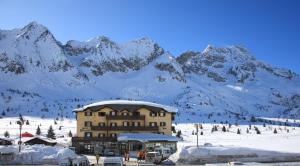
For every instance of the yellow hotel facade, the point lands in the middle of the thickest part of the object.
(101, 124)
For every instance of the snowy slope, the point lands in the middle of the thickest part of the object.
(39, 76)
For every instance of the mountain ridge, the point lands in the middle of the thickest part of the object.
(58, 76)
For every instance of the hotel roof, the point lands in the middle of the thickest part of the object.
(129, 105)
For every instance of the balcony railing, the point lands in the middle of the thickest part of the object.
(88, 139)
(125, 128)
(125, 117)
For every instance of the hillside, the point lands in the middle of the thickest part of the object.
(40, 76)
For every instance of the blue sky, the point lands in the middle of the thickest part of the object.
(270, 29)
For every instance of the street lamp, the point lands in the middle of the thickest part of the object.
(197, 129)
(20, 123)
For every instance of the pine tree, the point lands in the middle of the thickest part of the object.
(51, 133)
(201, 133)
(253, 119)
(238, 131)
(55, 122)
(178, 134)
(70, 134)
(193, 132)
(200, 126)
(3, 113)
(6, 134)
(224, 129)
(216, 129)
(38, 131)
(27, 122)
(257, 131)
(21, 118)
(275, 131)
(247, 131)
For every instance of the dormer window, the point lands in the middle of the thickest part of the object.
(113, 113)
(162, 114)
(152, 113)
(88, 113)
(125, 113)
(101, 113)
(136, 113)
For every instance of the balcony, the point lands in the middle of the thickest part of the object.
(125, 117)
(89, 139)
(124, 128)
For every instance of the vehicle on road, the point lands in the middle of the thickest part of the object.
(153, 157)
(113, 161)
(78, 161)
(109, 152)
(145, 164)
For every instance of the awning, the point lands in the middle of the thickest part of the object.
(147, 137)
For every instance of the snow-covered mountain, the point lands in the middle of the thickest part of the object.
(40, 76)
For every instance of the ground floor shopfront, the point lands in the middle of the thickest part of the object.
(123, 143)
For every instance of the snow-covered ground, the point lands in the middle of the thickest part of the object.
(283, 141)
(286, 141)
(66, 125)
(251, 147)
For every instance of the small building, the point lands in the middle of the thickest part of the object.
(26, 134)
(39, 141)
(6, 141)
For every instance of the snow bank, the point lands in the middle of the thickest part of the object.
(213, 154)
(36, 154)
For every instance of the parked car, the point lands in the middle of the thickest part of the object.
(79, 161)
(109, 152)
(113, 161)
(145, 164)
(153, 157)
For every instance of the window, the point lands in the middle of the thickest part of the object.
(152, 113)
(113, 135)
(113, 124)
(125, 114)
(152, 124)
(113, 113)
(88, 114)
(136, 124)
(101, 114)
(162, 114)
(101, 124)
(162, 123)
(87, 124)
(87, 147)
(88, 134)
(101, 135)
(125, 123)
(136, 113)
